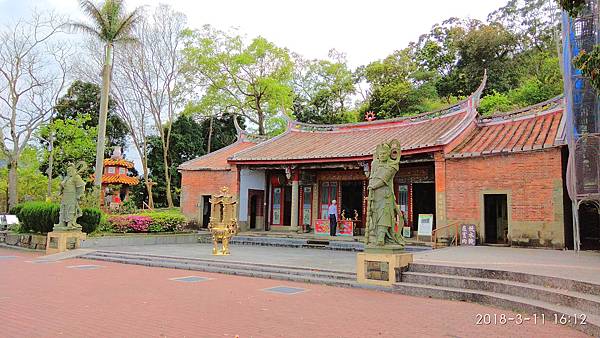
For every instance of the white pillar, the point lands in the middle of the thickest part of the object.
(295, 195)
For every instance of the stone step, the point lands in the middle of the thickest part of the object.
(521, 277)
(238, 272)
(231, 265)
(312, 243)
(585, 303)
(525, 306)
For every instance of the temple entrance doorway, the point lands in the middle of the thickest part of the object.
(423, 201)
(496, 218)
(205, 210)
(255, 209)
(287, 205)
(589, 226)
(352, 203)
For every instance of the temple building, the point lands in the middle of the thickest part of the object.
(503, 173)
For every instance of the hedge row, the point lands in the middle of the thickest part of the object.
(156, 221)
(40, 217)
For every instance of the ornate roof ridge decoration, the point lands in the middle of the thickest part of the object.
(118, 162)
(472, 101)
(541, 108)
(244, 136)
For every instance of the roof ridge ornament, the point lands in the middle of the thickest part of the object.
(370, 116)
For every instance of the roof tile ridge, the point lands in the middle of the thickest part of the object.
(554, 100)
(213, 152)
(447, 109)
(521, 116)
(260, 144)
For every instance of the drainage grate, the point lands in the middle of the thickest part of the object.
(286, 290)
(7, 257)
(190, 279)
(85, 267)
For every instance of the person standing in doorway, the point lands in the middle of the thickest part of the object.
(332, 218)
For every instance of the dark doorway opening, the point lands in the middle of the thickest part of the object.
(589, 226)
(352, 202)
(253, 205)
(423, 201)
(287, 206)
(496, 218)
(205, 210)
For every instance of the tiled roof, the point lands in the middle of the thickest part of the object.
(536, 127)
(302, 142)
(216, 160)
(120, 179)
(118, 162)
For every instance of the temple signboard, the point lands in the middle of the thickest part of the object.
(468, 234)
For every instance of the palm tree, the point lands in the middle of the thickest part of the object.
(111, 25)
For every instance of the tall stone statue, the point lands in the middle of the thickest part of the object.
(72, 188)
(382, 211)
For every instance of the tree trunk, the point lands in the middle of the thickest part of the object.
(100, 142)
(50, 164)
(147, 181)
(210, 130)
(149, 190)
(261, 121)
(167, 179)
(13, 195)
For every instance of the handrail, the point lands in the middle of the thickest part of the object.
(455, 240)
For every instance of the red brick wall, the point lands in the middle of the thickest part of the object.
(194, 184)
(533, 181)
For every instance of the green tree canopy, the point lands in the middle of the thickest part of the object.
(323, 90)
(189, 139)
(251, 80)
(32, 183)
(398, 86)
(74, 141)
(83, 98)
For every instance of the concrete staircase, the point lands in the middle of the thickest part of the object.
(311, 242)
(297, 274)
(520, 292)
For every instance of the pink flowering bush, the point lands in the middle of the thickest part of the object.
(130, 223)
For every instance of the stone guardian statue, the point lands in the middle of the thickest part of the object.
(382, 210)
(72, 188)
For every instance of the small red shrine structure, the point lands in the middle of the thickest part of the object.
(116, 180)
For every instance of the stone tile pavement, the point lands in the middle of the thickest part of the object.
(117, 300)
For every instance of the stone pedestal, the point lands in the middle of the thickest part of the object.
(379, 268)
(60, 241)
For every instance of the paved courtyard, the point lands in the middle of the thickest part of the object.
(84, 298)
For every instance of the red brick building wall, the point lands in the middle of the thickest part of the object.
(195, 183)
(532, 182)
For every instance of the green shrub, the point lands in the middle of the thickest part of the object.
(40, 217)
(16, 209)
(90, 219)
